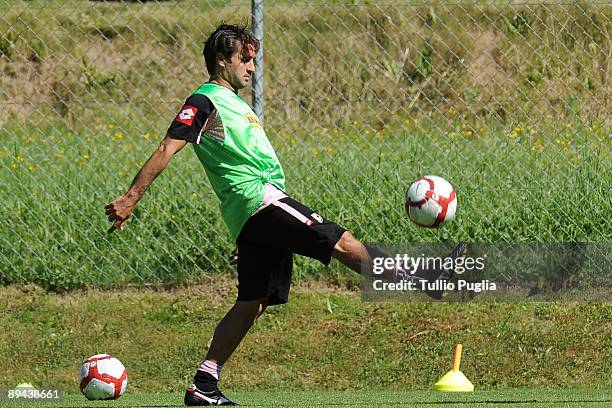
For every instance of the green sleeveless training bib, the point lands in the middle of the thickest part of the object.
(237, 156)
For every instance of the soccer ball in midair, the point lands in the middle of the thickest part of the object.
(431, 201)
(103, 377)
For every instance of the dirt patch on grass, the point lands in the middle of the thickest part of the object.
(218, 287)
(484, 71)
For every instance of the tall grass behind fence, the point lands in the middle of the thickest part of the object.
(508, 101)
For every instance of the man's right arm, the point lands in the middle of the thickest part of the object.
(186, 128)
(120, 210)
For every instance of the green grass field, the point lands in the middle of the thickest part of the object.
(539, 398)
(323, 339)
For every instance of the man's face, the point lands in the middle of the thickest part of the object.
(239, 69)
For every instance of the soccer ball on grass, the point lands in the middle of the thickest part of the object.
(103, 377)
(431, 201)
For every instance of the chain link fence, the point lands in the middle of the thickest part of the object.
(509, 101)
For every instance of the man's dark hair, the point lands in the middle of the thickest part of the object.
(226, 39)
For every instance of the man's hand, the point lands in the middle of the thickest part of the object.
(119, 211)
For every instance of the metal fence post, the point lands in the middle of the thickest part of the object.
(257, 14)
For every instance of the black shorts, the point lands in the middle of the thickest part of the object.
(269, 239)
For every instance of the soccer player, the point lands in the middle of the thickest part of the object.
(245, 173)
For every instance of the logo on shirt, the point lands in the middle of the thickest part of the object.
(252, 119)
(187, 114)
(317, 217)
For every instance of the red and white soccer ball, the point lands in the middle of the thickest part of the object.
(103, 377)
(431, 201)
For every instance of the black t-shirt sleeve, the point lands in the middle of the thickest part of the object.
(191, 118)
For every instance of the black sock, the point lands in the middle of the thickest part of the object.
(205, 381)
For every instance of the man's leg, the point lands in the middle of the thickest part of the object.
(351, 252)
(233, 327)
(357, 256)
(227, 336)
(292, 224)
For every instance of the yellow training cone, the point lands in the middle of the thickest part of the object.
(454, 380)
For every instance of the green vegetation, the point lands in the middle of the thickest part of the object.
(325, 63)
(507, 101)
(56, 235)
(502, 100)
(322, 339)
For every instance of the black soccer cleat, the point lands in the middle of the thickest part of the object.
(196, 398)
(441, 276)
(457, 253)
